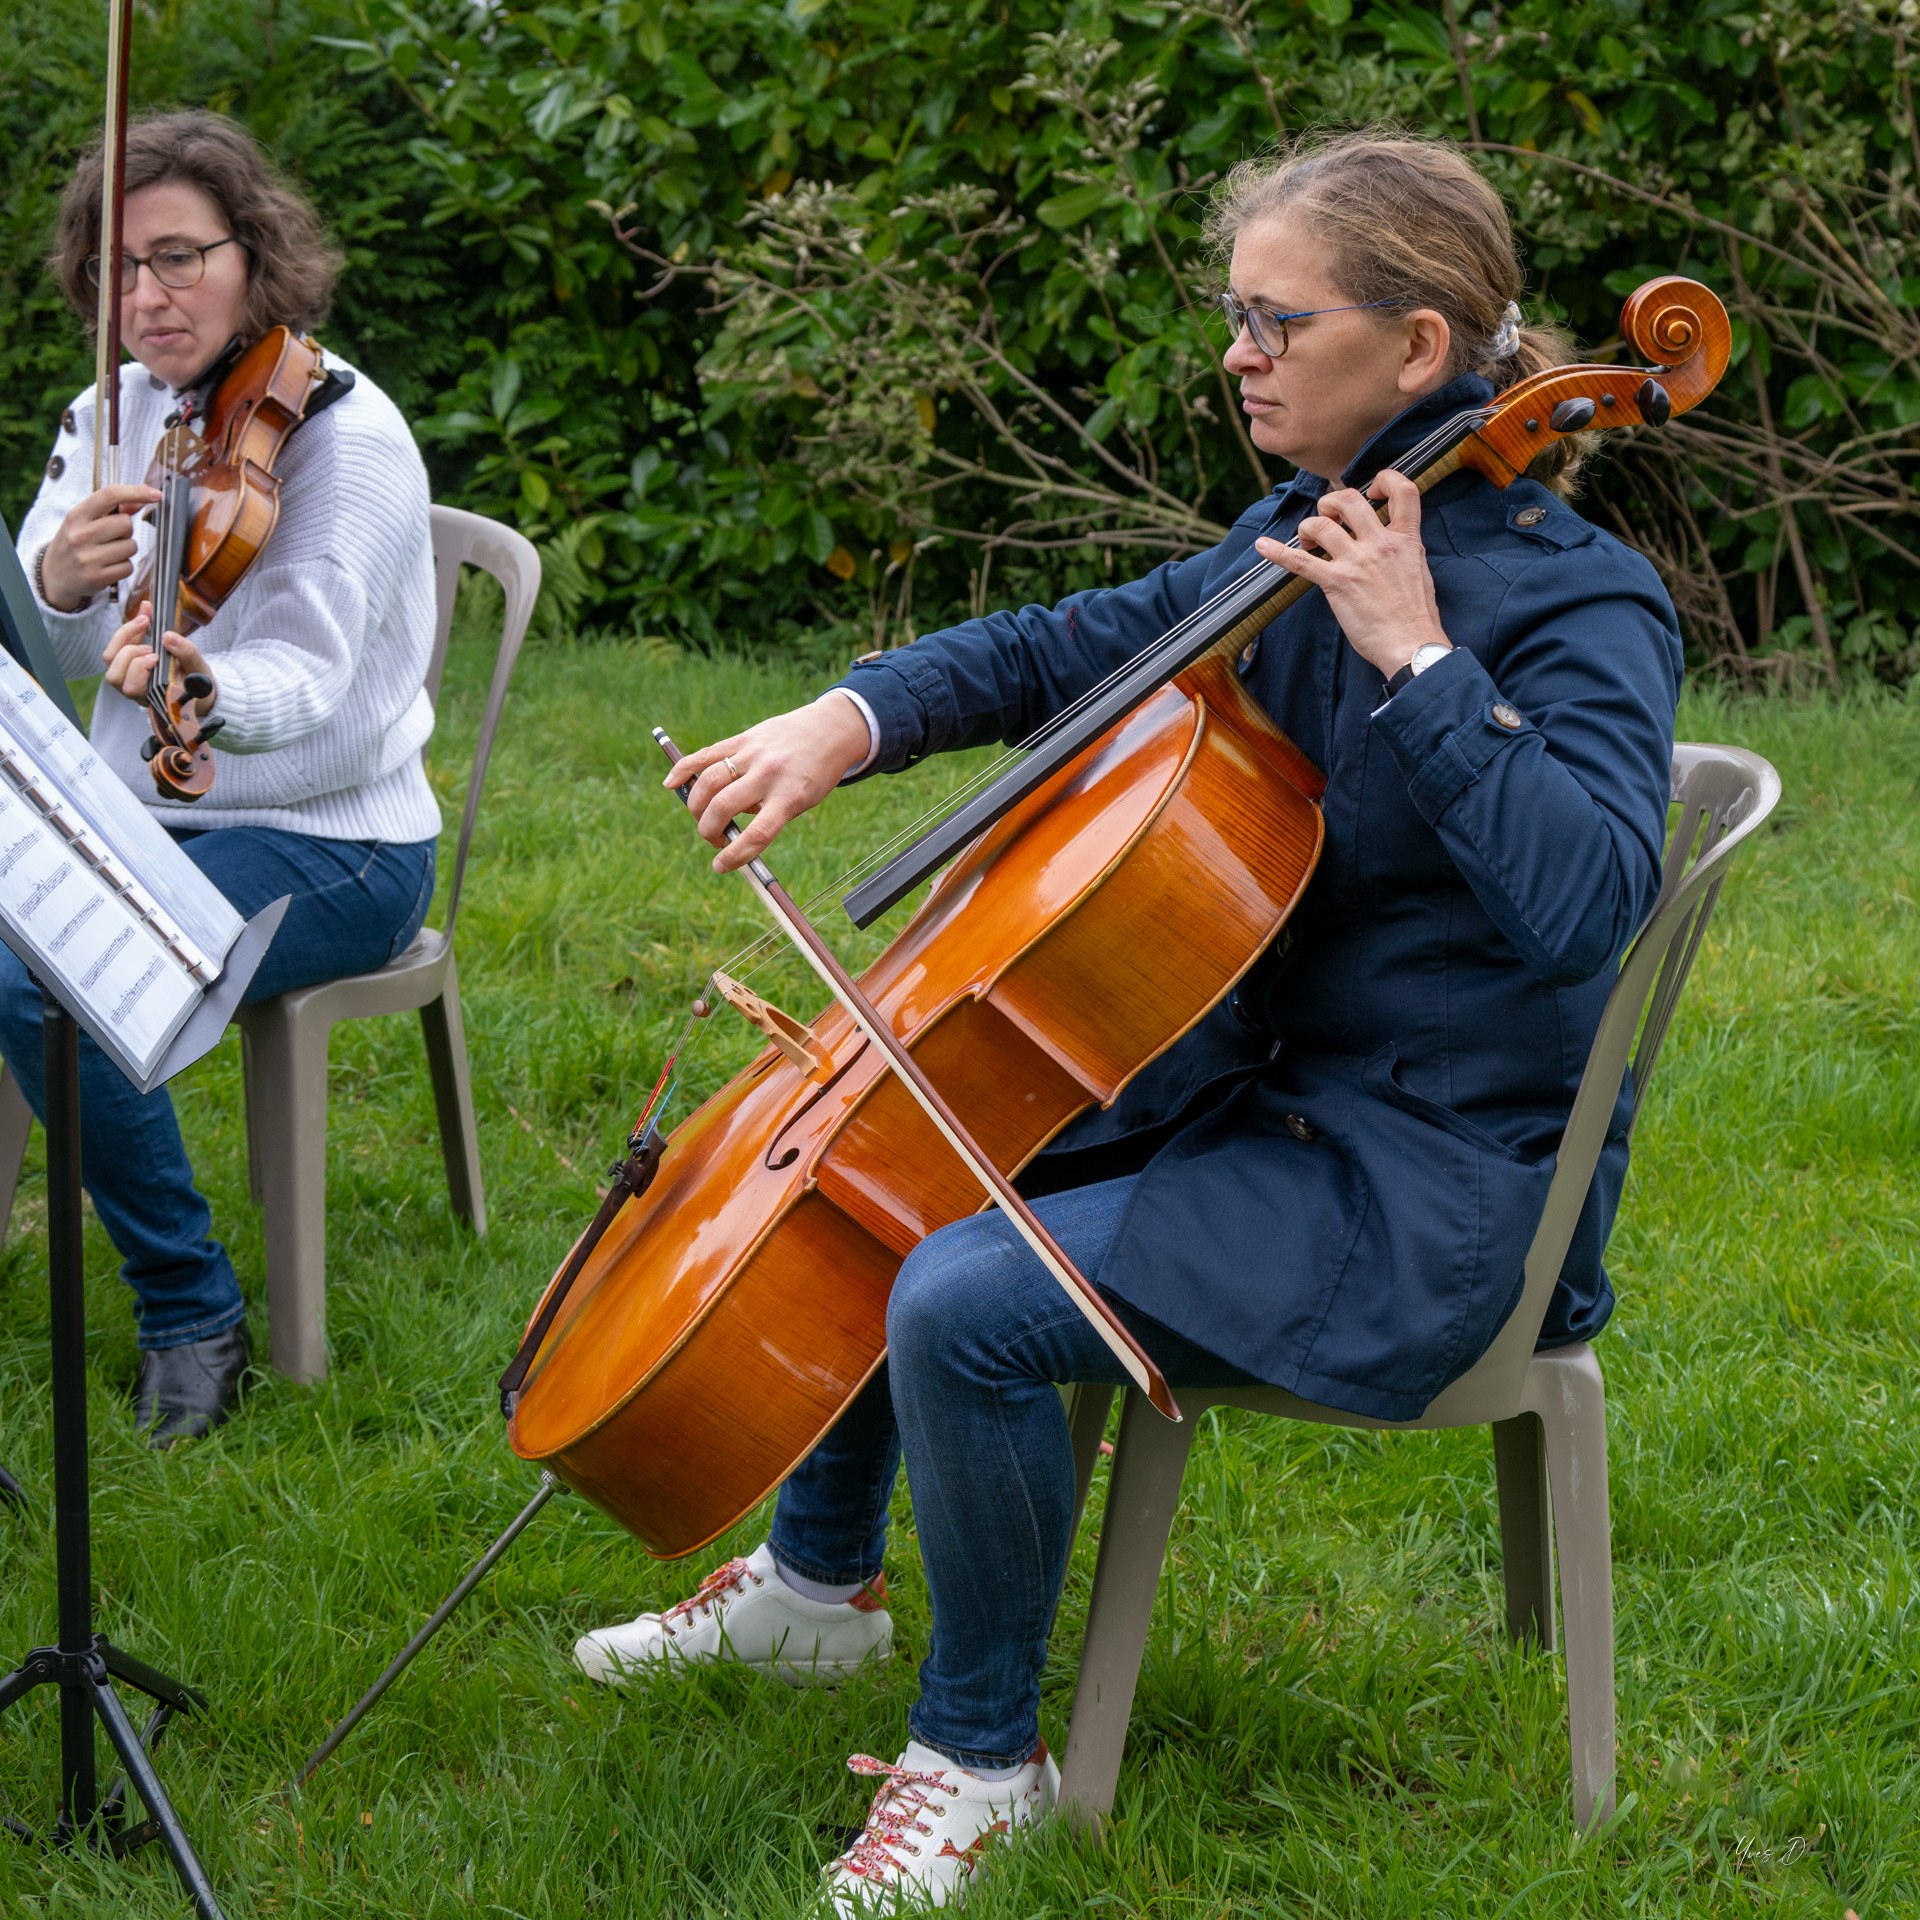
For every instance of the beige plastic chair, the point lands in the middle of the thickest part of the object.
(1547, 1410)
(284, 1040)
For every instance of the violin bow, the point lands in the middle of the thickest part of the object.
(113, 201)
(786, 915)
(1676, 323)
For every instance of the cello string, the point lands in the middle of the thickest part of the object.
(1237, 597)
(1248, 586)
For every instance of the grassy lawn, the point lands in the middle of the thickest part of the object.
(1330, 1722)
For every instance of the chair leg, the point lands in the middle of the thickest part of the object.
(1148, 1461)
(287, 1096)
(248, 1082)
(1526, 1533)
(1087, 1408)
(16, 1118)
(1572, 1403)
(446, 1040)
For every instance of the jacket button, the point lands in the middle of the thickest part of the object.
(56, 467)
(1529, 516)
(67, 420)
(1505, 716)
(1302, 1129)
(1246, 655)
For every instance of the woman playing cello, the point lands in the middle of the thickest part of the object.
(316, 664)
(1329, 1185)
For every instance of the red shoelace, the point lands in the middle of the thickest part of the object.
(732, 1578)
(895, 1813)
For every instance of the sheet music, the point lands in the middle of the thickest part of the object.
(88, 934)
(96, 896)
(180, 889)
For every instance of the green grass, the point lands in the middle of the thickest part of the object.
(1330, 1722)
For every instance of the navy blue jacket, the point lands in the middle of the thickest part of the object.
(1346, 1161)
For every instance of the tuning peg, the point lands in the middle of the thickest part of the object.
(149, 747)
(197, 686)
(208, 728)
(1571, 415)
(1655, 403)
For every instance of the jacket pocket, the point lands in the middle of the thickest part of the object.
(1381, 1078)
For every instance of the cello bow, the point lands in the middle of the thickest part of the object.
(787, 915)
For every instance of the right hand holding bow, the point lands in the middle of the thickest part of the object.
(774, 771)
(93, 547)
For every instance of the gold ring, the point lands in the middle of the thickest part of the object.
(731, 768)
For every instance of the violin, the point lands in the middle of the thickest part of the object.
(728, 1299)
(219, 504)
(213, 468)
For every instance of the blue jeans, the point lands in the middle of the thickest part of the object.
(979, 1338)
(355, 904)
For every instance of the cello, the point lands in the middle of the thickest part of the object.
(729, 1297)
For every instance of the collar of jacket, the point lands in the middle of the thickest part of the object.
(1404, 431)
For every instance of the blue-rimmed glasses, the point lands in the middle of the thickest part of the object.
(1267, 326)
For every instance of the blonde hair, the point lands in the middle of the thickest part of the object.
(1410, 223)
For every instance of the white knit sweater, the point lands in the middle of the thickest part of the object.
(321, 652)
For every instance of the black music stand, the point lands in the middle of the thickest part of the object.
(84, 1664)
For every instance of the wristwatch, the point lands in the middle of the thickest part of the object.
(1423, 658)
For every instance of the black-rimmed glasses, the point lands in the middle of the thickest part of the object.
(1267, 326)
(178, 266)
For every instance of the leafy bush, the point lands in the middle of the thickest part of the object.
(850, 314)
(402, 310)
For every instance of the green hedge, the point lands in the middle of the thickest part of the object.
(768, 318)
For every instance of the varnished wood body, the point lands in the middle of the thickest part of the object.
(236, 493)
(734, 1309)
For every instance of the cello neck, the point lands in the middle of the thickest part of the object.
(1244, 607)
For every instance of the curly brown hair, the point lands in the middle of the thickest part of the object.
(291, 264)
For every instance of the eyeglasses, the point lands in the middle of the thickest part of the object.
(177, 266)
(1267, 325)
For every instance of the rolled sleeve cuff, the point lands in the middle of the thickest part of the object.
(873, 734)
(909, 708)
(1443, 728)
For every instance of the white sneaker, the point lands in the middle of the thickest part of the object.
(928, 1828)
(745, 1612)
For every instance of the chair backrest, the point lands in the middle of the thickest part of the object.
(467, 539)
(1723, 794)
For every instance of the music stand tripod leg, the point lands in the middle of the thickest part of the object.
(153, 1796)
(82, 1666)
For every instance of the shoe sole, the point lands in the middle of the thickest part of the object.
(609, 1671)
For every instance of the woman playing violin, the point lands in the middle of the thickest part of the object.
(1329, 1185)
(316, 664)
